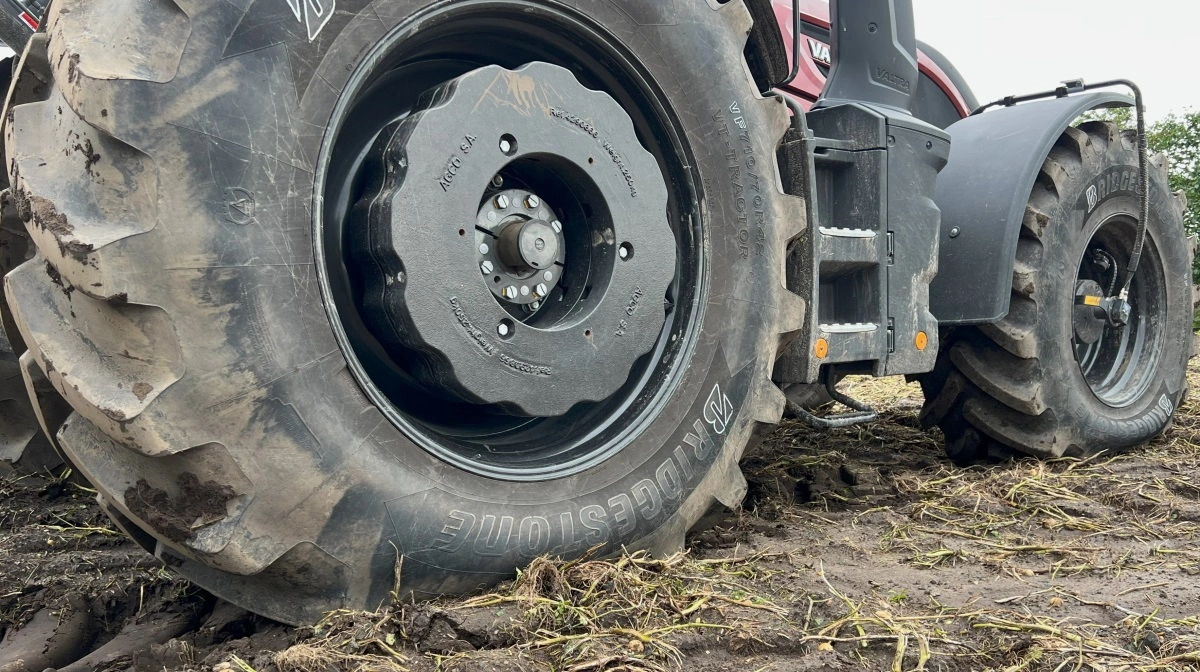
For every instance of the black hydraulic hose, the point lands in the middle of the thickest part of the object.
(861, 412)
(1135, 255)
(795, 44)
(1116, 271)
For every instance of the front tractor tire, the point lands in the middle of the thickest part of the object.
(391, 302)
(1053, 377)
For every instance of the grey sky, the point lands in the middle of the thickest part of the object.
(1016, 46)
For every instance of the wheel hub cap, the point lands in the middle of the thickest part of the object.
(521, 246)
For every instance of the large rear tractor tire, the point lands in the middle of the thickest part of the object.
(1054, 377)
(389, 300)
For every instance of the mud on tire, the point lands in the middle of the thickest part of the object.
(1027, 384)
(172, 183)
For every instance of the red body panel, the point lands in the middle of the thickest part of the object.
(808, 84)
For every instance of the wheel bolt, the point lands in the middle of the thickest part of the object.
(541, 289)
(509, 292)
(557, 226)
(502, 201)
(532, 201)
(497, 181)
(486, 267)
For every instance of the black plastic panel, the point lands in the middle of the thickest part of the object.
(982, 193)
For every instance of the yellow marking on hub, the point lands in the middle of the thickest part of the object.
(1091, 300)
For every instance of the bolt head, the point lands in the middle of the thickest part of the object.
(400, 277)
(541, 289)
(524, 290)
(557, 226)
(483, 248)
(502, 329)
(509, 292)
(622, 252)
(547, 276)
(486, 267)
(502, 201)
(535, 305)
(497, 181)
(532, 201)
(954, 232)
(505, 146)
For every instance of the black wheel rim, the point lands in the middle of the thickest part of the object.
(434, 47)
(1120, 365)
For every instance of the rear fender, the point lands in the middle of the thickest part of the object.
(982, 192)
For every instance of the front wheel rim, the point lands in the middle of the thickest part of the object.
(1121, 363)
(497, 444)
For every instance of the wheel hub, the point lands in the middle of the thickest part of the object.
(542, 303)
(521, 248)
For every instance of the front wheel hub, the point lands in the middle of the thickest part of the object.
(498, 246)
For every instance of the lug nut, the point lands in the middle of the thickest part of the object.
(486, 267)
(505, 146)
(502, 201)
(535, 305)
(557, 226)
(497, 181)
(541, 289)
(509, 292)
(502, 329)
(532, 202)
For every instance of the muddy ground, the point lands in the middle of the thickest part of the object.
(857, 549)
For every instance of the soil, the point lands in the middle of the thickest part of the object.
(860, 548)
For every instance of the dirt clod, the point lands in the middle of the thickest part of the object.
(197, 504)
(141, 390)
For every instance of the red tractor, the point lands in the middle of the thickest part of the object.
(337, 299)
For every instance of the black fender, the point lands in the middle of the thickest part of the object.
(982, 192)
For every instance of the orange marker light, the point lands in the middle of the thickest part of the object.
(821, 348)
(921, 341)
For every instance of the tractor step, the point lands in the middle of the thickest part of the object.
(866, 263)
